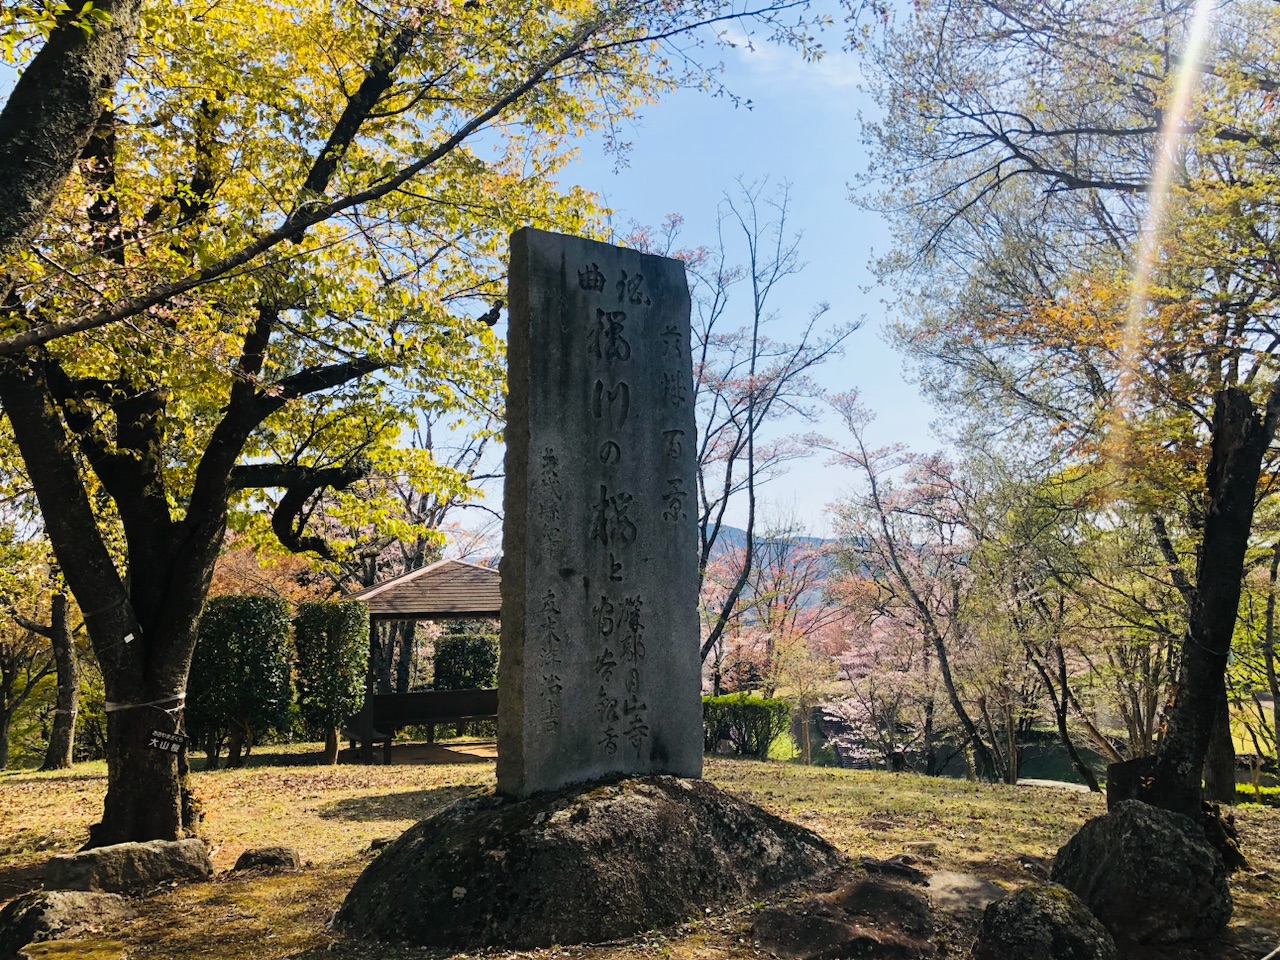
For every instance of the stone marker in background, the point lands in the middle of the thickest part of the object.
(599, 669)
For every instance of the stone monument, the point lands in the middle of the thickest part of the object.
(598, 667)
(598, 672)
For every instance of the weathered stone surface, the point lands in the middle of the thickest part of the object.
(582, 865)
(269, 858)
(872, 919)
(599, 667)
(1147, 874)
(1042, 922)
(46, 914)
(962, 895)
(129, 867)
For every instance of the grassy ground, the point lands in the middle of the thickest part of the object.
(332, 814)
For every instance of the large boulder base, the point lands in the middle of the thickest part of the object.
(583, 865)
(48, 914)
(129, 867)
(1147, 874)
(1042, 922)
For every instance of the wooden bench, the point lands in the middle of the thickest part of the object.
(391, 711)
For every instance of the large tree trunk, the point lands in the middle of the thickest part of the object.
(144, 790)
(1240, 440)
(1220, 763)
(59, 754)
(144, 631)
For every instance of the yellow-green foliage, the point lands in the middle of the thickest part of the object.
(220, 118)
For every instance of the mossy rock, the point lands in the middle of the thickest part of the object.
(1149, 875)
(48, 914)
(1042, 922)
(578, 866)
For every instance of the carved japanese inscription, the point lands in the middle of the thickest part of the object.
(599, 667)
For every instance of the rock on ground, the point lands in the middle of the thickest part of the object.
(269, 858)
(1042, 922)
(962, 895)
(46, 914)
(583, 865)
(871, 919)
(1148, 874)
(129, 867)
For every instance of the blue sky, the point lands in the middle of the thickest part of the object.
(803, 128)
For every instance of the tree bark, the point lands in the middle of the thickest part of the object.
(60, 752)
(143, 633)
(806, 744)
(330, 757)
(1240, 440)
(212, 747)
(1269, 648)
(1220, 762)
(6, 717)
(52, 112)
(144, 791)
(984, 760)
(235, 748)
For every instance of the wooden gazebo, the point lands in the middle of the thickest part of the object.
(445, 590)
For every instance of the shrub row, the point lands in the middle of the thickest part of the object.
(242, 675)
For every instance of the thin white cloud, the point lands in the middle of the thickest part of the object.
(784, 67)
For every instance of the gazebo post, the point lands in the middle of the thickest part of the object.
(370, 687)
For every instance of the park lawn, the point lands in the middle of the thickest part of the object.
(331, 814)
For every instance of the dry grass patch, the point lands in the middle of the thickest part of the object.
(331, 814)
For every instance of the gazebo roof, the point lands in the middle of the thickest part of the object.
(445, 590)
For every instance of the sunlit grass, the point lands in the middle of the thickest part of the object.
(331, 814)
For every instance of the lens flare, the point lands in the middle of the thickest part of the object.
(1165, 165)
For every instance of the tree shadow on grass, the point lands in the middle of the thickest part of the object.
(406, 805)
(261, 757)
(447, 752)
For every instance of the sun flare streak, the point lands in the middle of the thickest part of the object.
(1165, 166)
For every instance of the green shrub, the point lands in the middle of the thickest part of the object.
(240, 684)
(749, 723)
(333, 655)
(466, 657)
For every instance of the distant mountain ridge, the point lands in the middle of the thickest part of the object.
(736, 539)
